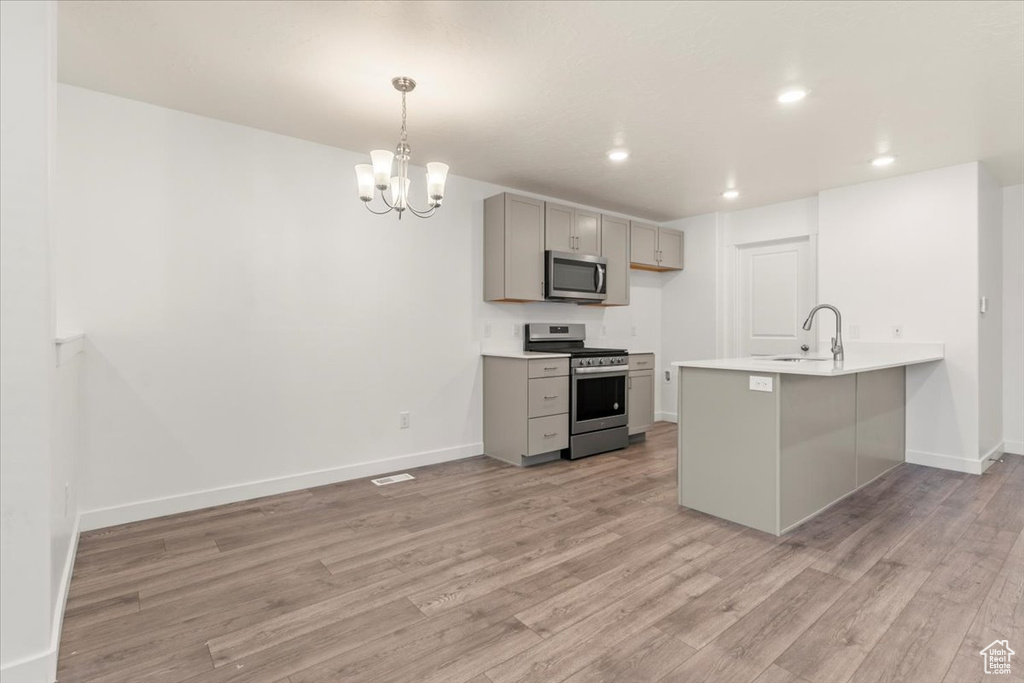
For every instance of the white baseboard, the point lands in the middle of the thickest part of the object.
(35, 669)
(1014, 447)
(42, 667)
(665, 417)
(952, 462)
(159, 507)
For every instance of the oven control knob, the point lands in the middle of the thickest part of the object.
(601, 362)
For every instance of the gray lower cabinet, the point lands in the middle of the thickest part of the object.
(526, 409)
(615, 248)
(640, 398)
(513, 248)
(654, 248)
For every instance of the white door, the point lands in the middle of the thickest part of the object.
(775, 290)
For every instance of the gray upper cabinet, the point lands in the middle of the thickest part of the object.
(654, 248)
(670, 249)
(615, 248)
(513, 248)
(643, 244)
(570, 229)
(558, 232)
(587, 226)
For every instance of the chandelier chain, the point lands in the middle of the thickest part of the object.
(405, 136)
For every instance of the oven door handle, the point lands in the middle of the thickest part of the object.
(601, 371)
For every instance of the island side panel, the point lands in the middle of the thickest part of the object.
(505, 408)
(818, 442)
(728, 447)
(881, 422)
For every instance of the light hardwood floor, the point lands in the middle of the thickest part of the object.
(573, 571)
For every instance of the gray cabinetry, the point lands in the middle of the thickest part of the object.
(615, 248)
(654, 248)
(643, 244)
(670, 249)
(641, 393)
(526, 408)
(570, 229)
(513, 248)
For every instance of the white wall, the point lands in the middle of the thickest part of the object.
(65, 476)
(252, 328)
(26, 341)
(1013, 318)
(904, 251)
(786, 220)
(689, 303)
(990, 323)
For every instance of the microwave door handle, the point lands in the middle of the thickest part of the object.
(600, 278)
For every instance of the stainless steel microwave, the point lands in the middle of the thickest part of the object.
(575, 277)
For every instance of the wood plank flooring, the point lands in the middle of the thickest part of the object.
(582, 571)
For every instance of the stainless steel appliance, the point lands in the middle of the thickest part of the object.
(599, 413)
(575, 277)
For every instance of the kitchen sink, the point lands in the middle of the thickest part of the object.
(797, 359)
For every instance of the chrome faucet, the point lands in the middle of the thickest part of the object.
(837, 341)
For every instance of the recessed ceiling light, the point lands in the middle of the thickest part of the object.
(731, 194)
(618, 155)
(792, 95)
(883, 160)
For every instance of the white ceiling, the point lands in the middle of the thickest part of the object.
(533, 94)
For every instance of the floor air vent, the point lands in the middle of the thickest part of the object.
(392, 479)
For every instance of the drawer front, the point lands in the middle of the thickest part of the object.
(549, 367)
(644, 361)
(549, 396)
(548, 434)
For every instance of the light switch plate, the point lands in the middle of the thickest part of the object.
(759, 383)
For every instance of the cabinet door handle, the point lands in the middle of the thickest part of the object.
(550, 368)
(641, 362)
(548, 436)
(550, 398)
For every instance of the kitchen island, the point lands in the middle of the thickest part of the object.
(771, 442)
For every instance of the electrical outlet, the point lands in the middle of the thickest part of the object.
(854, 331)
(758, 383)
(604, 331)
(634, 330)
(897, 331)
(403, 420)
(487, 330)
(515, 331)
(668, 376)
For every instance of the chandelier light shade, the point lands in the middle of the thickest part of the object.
(394, 189)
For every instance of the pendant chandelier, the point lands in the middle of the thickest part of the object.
(394, 190)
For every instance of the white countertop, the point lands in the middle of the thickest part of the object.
(526, 355)
(860, 357)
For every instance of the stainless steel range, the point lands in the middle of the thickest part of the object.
(599, 416)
